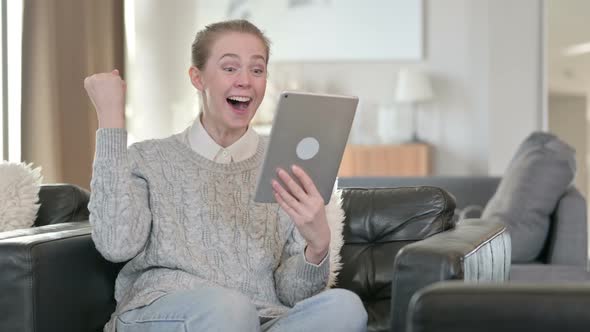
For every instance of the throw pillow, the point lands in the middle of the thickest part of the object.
(19, 195)
(537, 176)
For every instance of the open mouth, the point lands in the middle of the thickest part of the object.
(239, 103)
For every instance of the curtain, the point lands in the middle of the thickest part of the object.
(63, 42)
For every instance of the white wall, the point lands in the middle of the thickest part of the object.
(160, 98)
(483, 55)
(515, 77)
(567, 119)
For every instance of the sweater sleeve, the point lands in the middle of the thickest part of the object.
(295, 278)
(119, 210)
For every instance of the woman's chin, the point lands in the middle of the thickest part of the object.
(238, 122)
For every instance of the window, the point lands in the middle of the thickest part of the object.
(10, 83)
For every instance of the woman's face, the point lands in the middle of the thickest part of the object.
(233, 81)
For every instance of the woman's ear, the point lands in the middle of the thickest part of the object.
(196, 77)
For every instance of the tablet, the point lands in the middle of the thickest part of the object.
(309, 130)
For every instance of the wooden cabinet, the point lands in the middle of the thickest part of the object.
(412, 159)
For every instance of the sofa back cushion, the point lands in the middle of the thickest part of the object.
(378, 223)
(538, 175)
(62, 203)
(468, 191)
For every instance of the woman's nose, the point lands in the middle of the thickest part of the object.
(243, 79)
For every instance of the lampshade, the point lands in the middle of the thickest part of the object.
(412, 86)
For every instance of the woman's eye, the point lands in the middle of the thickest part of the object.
(229, 69)
(258, 71)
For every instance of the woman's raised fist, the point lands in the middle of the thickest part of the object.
(107, 92)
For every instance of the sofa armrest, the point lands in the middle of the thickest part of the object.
(568, 240)
(41, 230)
(474, 250)
(513, 307)
(55, 281)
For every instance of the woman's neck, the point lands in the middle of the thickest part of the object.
(222, 136)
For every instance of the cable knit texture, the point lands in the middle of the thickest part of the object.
(181, 220)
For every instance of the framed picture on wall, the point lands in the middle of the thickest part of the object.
(329, 30)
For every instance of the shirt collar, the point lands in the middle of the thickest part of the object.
(202, 143)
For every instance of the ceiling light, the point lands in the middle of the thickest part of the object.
(577, 49)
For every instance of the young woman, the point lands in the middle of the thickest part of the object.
(201, 255)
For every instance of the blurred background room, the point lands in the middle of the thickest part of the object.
(446, 87)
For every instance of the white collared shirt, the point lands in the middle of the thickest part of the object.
(202, 143)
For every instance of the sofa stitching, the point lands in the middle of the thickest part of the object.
(29, 259)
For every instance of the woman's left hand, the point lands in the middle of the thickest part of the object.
(306, 208)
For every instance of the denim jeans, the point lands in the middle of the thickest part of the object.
(220, 309)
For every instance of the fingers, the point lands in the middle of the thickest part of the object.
(107, 93)
(90, 80)
(286, 196)
(283, 204)
(293, 186)
(305, 180)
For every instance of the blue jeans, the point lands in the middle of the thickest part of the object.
(219, 309)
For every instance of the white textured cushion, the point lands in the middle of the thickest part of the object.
(19, 195)
(335, 217)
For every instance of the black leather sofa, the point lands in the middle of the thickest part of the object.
(397, 241)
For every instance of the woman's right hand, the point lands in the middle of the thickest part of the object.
(107, 92)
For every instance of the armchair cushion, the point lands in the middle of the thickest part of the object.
(548, 273)
(538, 175)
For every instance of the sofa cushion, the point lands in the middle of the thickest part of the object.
(537, 176)
(548, 273)
(62, 203)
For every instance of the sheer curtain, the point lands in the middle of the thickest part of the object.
(63, 42)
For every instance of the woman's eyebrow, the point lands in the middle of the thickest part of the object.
(231, 55)
(257, 56)
(235, 56)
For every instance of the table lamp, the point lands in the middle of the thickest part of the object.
(413, 87)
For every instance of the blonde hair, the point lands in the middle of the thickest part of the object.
(201, 47)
